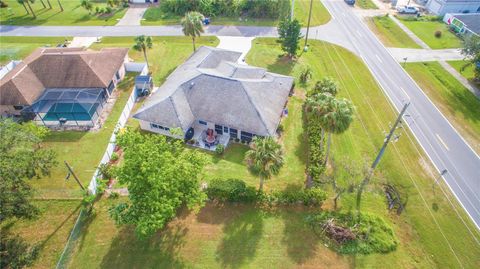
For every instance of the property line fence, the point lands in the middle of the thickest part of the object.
(92, 186)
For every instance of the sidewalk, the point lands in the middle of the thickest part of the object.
(472, 88)
(425, 55)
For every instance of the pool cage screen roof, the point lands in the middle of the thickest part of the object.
(58, 100)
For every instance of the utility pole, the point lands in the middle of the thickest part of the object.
(291, 10)
(70, 172)
(380, 154)
(305, 48)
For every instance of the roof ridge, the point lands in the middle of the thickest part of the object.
(88, 64)
(255, 106)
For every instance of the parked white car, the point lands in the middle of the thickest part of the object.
(407, 9)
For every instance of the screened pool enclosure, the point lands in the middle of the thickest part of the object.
(68, 107)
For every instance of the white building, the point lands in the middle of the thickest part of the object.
(440, 7)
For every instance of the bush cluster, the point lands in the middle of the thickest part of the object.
(373, 234)
(256, 9)
(236, 190)
(316, 152)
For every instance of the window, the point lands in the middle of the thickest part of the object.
(156, 126)
(219, 129)
(225, 129)
(202, 122)
(233, 133)
(117, 75)
(111, 86)
(245, 136)
(18, 107)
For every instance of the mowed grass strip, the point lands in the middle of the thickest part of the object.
(468, 72)
(18, 47)
(455, 101)
(366, 4)
(243, 236)
(73, 14)
(425, 30)
(320, 15)
(390, 33)
(49, 231)
(429, 215)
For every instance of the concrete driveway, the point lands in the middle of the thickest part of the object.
(134, 15)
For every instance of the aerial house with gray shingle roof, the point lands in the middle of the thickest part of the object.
(213, 100)
(62, 86)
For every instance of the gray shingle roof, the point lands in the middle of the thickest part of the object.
(211, 86)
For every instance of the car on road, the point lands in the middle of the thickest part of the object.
(407, 10)
(350, 2)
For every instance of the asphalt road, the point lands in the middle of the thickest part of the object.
(445, 147)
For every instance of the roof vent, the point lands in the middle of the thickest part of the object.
(192, 84)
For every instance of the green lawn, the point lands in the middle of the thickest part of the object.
(455, 101)
(50, 230)
(320, 15)
(366, 4)
(73, 14)
(82, 150)
(236, 236)
(425, 30)
(18, 47)
(390, 33)
(468, 72)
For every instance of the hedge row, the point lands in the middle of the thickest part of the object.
(231, 8)
(316, 150)
(235, 190)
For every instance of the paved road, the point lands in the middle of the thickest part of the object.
(439, 139)
(445, 147)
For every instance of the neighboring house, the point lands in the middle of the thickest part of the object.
(210, 95)
(464, 23)
(62, 86)
(440, 7)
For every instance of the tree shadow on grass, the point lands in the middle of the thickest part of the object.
(282, 65)
(240, 240)
(301, 242)
(160, 251)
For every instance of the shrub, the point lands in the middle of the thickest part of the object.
(314, 196)
(101, 186)
(280, 129)
(108, 10)
(305, 74)
(220, 149)
(105, 171)
(97, 9)
(101, 10)
(316, 152)
(371, 233)
(114, 157)
(230, 190)
(114, 195)
(438, 34)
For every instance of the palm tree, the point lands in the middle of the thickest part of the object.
(22, 2)
(192, 25)
(143, 43)
(60, 4)
(265, 158)
(336, 119)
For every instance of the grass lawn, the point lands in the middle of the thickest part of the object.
(241, 236)
(468, 72)
(425, 30)
(50, 230)
(18, 47)
(365, 4)
(320, 15)
(390, 33)
(73, 14)
(455, 101)
(82, 150)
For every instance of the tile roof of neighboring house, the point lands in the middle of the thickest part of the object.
(59, 68)
(211, 86)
